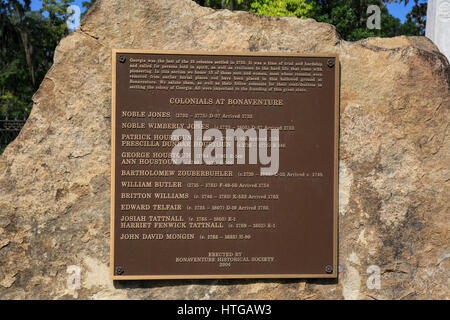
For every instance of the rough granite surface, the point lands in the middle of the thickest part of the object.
(394, 159)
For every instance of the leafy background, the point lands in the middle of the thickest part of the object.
(30, 31)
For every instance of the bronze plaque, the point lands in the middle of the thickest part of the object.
(255, 194)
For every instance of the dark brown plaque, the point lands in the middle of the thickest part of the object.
(225, 219)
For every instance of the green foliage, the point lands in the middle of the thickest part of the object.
(286, 8)
(274, 8)
(225, 4)
(28, 38)
(27, 43)
(87, 5)
(417, 17)
(56, 10)
(348, 16)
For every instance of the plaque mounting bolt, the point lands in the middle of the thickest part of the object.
(119, 271)
(329, 269)
(122, 59)
(330, 63)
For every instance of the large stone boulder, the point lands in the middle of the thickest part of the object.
(394, 159)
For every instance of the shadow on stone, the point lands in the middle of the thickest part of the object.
(139, 284)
